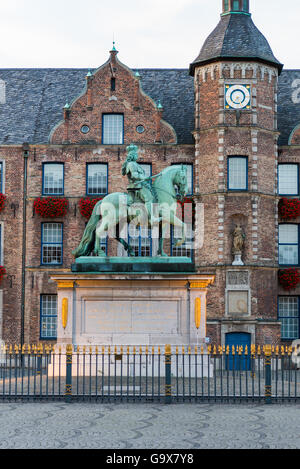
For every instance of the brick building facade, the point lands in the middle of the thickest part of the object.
(242, 159)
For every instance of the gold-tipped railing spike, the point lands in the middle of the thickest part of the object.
(202, 350)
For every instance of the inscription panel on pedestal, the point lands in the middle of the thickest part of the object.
(100, 316)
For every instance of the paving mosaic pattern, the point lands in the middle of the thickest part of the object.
(153, 426)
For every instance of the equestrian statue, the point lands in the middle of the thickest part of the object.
(145, 204)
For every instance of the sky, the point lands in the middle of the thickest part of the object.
(148, 34)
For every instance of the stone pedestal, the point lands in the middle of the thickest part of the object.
(131, 309)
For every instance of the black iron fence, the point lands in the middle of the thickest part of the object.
(162, 374)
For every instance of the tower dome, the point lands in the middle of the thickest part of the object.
(236, 37)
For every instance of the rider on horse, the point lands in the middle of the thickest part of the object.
(139, 188)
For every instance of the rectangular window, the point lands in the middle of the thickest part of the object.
(237, 173)
(288, 314)
(52, 243)
(48, 316)
(53, 179)
(186, 249)
(112, 129)
(139, 238)
(288, 244)
(190, 178)
(245, 5)
(288, 179)
(236, 5)
(97, 179)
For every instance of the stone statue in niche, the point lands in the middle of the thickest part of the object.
(238, 245)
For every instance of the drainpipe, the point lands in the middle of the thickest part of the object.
(25, 155)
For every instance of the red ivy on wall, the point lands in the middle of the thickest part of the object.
(2, 272)
(51, 207)
(86, 206)
(289, 278)
(2, 201)
(289, 208)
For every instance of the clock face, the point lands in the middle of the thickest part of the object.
(237, 96)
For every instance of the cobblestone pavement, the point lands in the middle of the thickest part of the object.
(153, 426)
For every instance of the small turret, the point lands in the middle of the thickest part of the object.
(235, 6)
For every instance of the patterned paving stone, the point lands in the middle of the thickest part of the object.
(143, 426)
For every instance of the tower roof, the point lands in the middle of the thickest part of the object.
(236, 37)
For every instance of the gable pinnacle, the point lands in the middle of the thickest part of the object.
(114, 50)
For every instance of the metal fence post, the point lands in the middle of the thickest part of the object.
(69, 360)
(168, 384)
(268, 374)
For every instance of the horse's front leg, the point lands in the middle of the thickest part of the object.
(180, 224)
(161, 251)
(127, 247)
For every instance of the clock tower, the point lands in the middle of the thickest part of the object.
(235, 80)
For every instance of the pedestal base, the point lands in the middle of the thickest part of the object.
(133, 265)
(131, 310)
(238, 260)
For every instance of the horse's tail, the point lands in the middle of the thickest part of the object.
(87, 243)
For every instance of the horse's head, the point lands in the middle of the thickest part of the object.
(181, 181)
